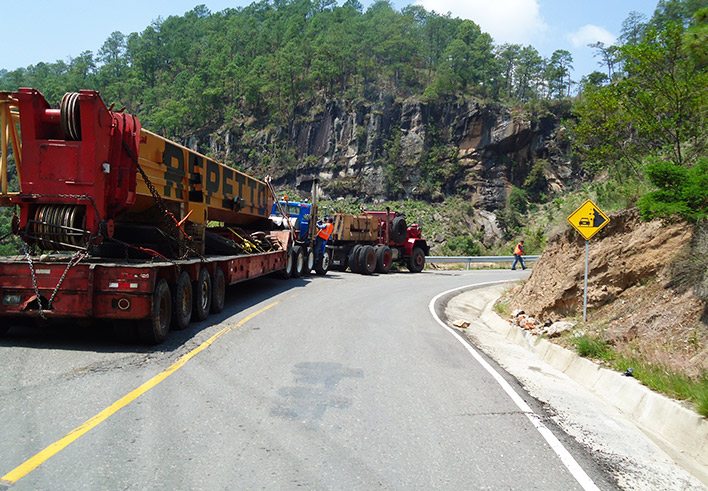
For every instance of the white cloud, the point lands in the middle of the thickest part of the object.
(591, 34)
(507, 21)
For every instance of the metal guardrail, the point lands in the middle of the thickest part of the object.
(476, 259)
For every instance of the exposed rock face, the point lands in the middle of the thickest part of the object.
(625, 253)
(360, 149)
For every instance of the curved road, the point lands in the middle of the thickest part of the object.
(336, 382)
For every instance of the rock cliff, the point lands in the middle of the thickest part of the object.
(392, 149)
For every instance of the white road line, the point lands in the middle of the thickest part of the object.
(570, 463)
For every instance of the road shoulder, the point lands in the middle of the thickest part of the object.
(646, 441)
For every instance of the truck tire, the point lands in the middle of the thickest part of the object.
(367, 260)
(287, 272)
(384, 259)
(182, 302)
(309, 261)
(322, 264)
(154, 329)
(354, 259)
(298, 261)
(417, 260)
(398, 230)
(218, 291)
(201, 304)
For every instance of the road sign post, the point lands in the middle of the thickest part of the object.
(588, 219)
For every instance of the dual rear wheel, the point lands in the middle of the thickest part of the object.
(175, 308)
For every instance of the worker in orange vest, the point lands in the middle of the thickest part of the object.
(518, 252)
(323, 235)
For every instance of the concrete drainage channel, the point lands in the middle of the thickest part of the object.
(679, 432)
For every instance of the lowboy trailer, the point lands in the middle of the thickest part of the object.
(116, 222)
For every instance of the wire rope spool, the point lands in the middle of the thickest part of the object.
(69, 116)
(59, 227)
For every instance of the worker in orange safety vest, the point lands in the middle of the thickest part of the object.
(323, 236)
(518, 252)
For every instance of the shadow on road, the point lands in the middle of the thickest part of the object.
(98, 335)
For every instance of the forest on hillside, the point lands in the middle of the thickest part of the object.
(638, 123)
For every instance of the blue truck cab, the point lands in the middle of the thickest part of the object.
(304, 255)
(294, 209)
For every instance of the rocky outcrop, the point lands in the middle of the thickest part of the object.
(390, 149)
(625, 253)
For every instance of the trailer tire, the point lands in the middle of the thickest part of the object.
(309, 261)
(354, 259)
(218, 291)
(298, 261)
(154, 329)
(384, 259)
(417, 260)
(287, 271)
(398, 230)
(323, 263)
(367, 260)
(182, 302)
(201, 304)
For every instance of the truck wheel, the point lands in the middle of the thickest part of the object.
(154, 329)
(287, 272)
(383, 259)
(299, 261)
(367, 260)
(354, 259)
(218, 291)
(398, 230)
(182, 303)
(310, 261)
(417, 260)
(322, 264)
(202, 296)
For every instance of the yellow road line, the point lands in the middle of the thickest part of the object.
(32, 463)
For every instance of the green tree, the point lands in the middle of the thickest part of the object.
(558, 74)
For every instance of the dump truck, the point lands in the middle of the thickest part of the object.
(117, 223)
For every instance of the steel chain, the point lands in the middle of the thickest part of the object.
(81, 255)
(34, 280)
(168, 216)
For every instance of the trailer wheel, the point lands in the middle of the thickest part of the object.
(218, 291)
(384, 260)
(299, 261)
(182, 303)
(201, 304)
(398, 229)
(367, 260)
(287, 272)
(323, 263)
(416, 261)
(154, 329)
(354, 259)
(310, 261)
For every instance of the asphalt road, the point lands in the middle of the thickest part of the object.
(336, 382)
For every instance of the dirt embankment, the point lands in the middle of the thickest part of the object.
(638, 299)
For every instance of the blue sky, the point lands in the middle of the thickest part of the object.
(51, 30)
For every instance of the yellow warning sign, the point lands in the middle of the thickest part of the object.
(588, 219)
